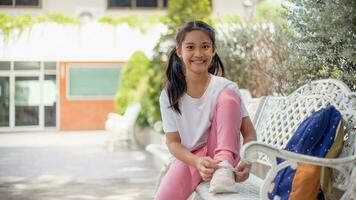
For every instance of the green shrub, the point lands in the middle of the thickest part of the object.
(313, 40)
(133, 82)
(324, 40)
(254, 54)
(182, 11)
(270, 12)
(14, 26)
(133, 21)
(255, 51)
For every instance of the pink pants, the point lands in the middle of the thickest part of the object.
(223, 144)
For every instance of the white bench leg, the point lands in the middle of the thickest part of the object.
(111, 142)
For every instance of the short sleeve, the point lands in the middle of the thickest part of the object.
(244, 111)
(167, 113)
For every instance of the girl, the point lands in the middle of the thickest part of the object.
(202, 116)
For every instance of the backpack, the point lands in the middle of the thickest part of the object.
(320, 135)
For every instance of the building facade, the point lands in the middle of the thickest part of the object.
(65, 78)
(55, 77)
(95, 8)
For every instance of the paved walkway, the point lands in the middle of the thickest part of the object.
(72, 166)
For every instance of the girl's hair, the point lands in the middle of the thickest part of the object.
(175, 78)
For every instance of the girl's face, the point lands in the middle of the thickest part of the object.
(196, 52)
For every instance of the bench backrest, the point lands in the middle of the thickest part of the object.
(278, 117)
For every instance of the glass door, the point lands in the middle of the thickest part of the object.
(4, 101)
(27, 101)
(28, 96)
(50, 100)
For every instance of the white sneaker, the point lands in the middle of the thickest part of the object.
(223, 179)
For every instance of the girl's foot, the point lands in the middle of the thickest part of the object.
(223, 179)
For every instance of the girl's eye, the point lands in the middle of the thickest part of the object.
(189, 47)
(206, 46)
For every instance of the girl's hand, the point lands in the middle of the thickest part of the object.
(242, 171)
(206, 167)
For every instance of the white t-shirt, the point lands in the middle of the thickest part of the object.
(193, 125)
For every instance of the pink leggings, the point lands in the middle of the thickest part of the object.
(223, 144)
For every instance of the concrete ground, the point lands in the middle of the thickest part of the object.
(72, 166)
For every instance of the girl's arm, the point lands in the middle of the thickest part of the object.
(205, 165)
(178, 150)
(248, 130)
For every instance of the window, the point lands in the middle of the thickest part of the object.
(22, 65)
(165, 3)
(119, 3)
(27, 101)
(26, 2)
(22, 3)
(33, 99)
(92, 80)
(50, 100)
(50, 65)
(6, 2)
(137, 3)
(5, 66)
(146, 3)
(4, 101)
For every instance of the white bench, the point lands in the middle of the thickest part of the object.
(276, 121)
(121, 127)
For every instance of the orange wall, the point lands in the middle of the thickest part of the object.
(81, 114)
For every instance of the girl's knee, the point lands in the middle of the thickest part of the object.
(228, 95)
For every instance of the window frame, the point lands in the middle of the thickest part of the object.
(134, 6)
(13, 5)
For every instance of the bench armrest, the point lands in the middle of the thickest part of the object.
(292, 159)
